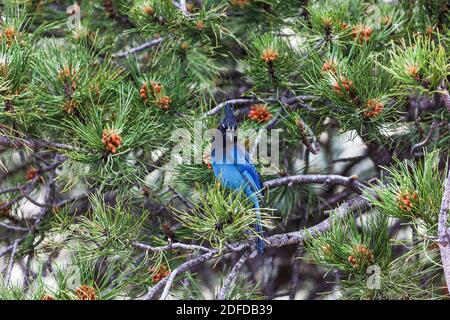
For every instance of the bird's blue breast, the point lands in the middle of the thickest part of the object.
(235, 171)
(231, 177)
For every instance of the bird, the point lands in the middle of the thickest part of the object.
(232, 167)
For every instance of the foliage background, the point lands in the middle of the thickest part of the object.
(92, 207)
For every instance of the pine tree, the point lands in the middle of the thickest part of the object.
(93, 205)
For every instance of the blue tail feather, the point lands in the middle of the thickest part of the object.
(259, 230)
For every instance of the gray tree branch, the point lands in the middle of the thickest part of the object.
(349, 182)
(443, 231)
(232, 276)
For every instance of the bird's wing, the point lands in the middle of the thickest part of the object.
(249, 172)
(251, 175)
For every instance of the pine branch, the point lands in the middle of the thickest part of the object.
(349, 182)
(145, 45)
(33, 143)
(295, 263)
(20, 187)
(220, 106)
(83, 196)
(444, 231)
(11, 261)
(13, 228)
(358, 204)
(25, 189)
(168, 285)
(245, 101)
(171, 246)
(423, 143)
(47, 197)
(182, 268)
(36, 203)
(232, 276)
(11, 247)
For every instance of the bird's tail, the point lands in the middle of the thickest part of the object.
(258, 228)
(258, 225)
(260, 232)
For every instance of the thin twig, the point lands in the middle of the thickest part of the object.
(434, 125)
(294, 276)
(11, 261)
(33, 143)
(40, 215)
(139, 48)
(14, 228)
(168, 285)
(233, 248)
(16, 188)
(36, 203)
(220, 106)
(10, 247)
(243, 101)
(181, 197)
(232, 276)
(182, 268)
(47, 199)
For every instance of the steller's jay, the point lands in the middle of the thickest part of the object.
(231, 164)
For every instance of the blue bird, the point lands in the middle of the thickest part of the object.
(232, 167)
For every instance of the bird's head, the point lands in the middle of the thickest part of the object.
(228, 125)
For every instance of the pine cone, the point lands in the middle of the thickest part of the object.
(164, 102)
(373, 108)
(200, 25)
(148, 10)
(344, 83)
(269, 55)
(362, 33)
(31, 173)
(156, 87)
(4, 211)
(143, 92)
(85, 293)
(329, 66)
(160, 273)
(407, 200)
(259, 113)
(111, 140)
